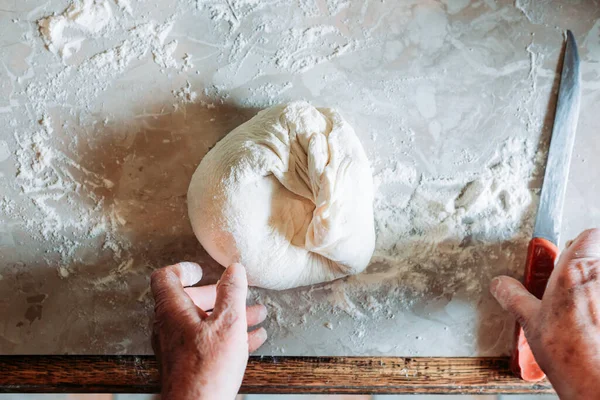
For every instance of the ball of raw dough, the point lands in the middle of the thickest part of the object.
(289, 194)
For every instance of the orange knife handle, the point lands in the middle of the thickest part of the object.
(541, 256)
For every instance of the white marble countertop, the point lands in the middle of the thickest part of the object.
(97, 149)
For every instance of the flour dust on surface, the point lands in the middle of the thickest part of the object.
(109, 106)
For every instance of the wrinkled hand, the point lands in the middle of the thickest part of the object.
(203, 355)
(563, 329)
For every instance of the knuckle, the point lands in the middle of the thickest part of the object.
(157, 274)
(161, 296)
(231, 293)
(157, 277)
(512, 302)
(227, 320)
(579, 272)
(571, 276)
(229, 285)
(160, 303)
(593, 233)
(159, 281)
(166, 310)
(587, 245)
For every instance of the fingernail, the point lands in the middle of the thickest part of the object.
(238, 265)
(232, 271)
(189, 264)
(191, 273)
(263, 312)
(262, 332)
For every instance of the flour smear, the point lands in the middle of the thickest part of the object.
(104, 157)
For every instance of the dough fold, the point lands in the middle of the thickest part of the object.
(289, 194)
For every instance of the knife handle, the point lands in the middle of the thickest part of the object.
(541, 256)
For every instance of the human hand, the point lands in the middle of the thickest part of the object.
(202, 355)
(563, 329)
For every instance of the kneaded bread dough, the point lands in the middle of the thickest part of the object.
(289, 194)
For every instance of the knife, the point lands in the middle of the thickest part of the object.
(543, 247)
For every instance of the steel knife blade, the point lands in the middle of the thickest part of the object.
(550, 209)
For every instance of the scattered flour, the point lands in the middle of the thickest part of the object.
(298, 51)
(4, 151)
(96, 74)
(534, 10)
(432, 226)
(125, 5)
(231, 11)
(163, 56)
(63, 33)
(185, 94)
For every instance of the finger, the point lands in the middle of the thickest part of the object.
(586, 245)
(256, 314)
(167, 287)
(256, 339)
(204, 296)
(514, 298)
(231, 295)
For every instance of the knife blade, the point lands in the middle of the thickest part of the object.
(543, 247)
(549, 215)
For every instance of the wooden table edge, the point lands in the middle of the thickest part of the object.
(272, 374)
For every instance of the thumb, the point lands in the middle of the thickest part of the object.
(231, 294)
(514, 298)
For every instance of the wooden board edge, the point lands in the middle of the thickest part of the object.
(272, 375)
